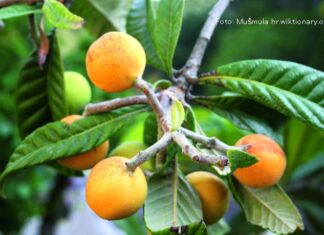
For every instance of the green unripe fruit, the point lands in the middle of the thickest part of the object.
(77, 92)
(129, 150)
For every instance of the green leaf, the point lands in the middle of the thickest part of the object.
(220, 228)
(240, 118)
(166, 30)
(269, 208)
(292, 89)
(59, 16)
(171, 203)
(137, 24)
(306, 169)
(302, 143)
(177, 114)
(150, 130)
(56, 140)
(40, 92)
(18, 10)
(190, 122)
(296, 78)
(101, 15)
(239, 159)
(162, 84)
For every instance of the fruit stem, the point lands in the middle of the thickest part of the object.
(146, 154)
(146, 88)
(114, 104)
(195, 155)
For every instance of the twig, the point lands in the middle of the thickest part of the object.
(189, 150)
(190, 70)
(210, 142)
(146, 154)
(4, 3)
(144, 87)
(114, 104)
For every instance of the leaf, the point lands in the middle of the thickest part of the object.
(269, 208)
(178, 204)
(190, 122)
(307, 169)
(302, 143)
(101, 15)
(194, 229)
(239, 159)
(56, 140)
(18, 10)
(166, 31)
(40, 92)
(296, 78)
(59, 16)
(150, 130)
(162, 84)
(137, 24)
(289, 88)
(220, 228)
(241, 119)
(177, 114)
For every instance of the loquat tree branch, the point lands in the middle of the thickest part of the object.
(195, 155)
(114, 104)
(151, 151)
(190, 70)
(210, 142)
(146, 88)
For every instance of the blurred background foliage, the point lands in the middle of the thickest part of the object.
(29, 190)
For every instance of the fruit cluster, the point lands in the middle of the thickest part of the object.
(113, 191)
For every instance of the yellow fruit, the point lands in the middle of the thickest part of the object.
(129, 150)
(84, 160)
(114, 61)
(270, 167)
(213, 195)
(112, 191)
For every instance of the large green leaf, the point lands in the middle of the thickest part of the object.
(18, 10)
(292, 89)
(137, 26)
(171, 203)
(269, 208)
(40, 91)
(167, 28)
(59, 16)
(101, 15)
(240, 118)
(56, 140)
(296, 78)
(302, 143)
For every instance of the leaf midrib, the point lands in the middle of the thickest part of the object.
(269, 208)
(287, 93)
(88, 130)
